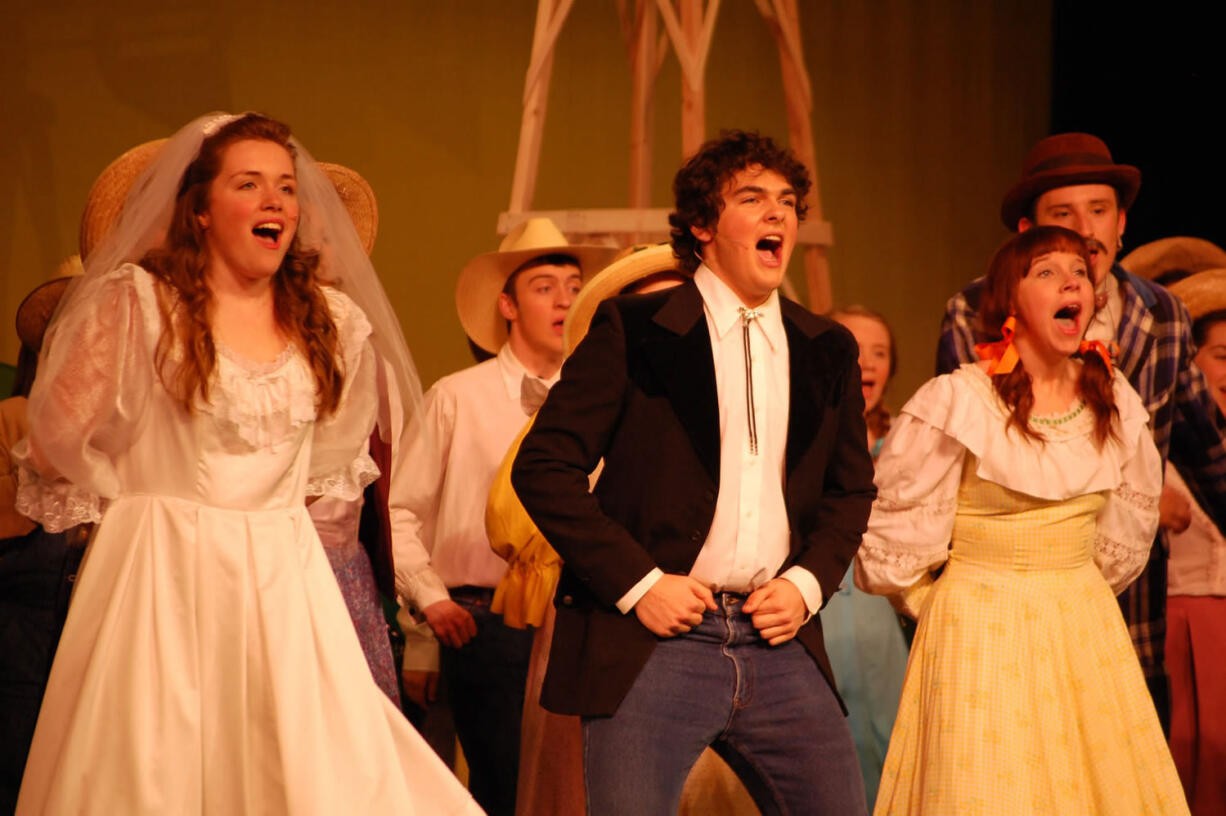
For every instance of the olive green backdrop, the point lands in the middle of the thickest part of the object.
(922, 111)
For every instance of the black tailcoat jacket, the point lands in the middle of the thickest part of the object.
(640, 392)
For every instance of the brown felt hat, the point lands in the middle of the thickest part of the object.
(1203, 292)
(36, 309)
(1191, 255)
(110, 190)
(483, 278)
(1062, 161)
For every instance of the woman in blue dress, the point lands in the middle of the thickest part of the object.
(863, 637)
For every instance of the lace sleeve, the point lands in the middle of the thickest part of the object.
(1128, 521)
(340, 461)
(92, 388)
(912, 520)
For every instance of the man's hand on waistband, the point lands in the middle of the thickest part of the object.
(674, 605)
(451, 623)
(777, 610)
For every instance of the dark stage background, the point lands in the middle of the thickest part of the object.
(1148, 80)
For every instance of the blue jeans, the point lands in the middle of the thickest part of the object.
(765, 709)
(485, 681)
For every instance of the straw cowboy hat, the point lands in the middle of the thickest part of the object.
(1182, 253)
(632, 265)
(36, 309)
(1203, 292)
(1062, 161)
(110, 190)
(483, 278)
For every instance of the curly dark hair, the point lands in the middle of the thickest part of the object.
(699, 185)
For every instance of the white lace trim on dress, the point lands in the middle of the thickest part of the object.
(57, 506)
(347, 483)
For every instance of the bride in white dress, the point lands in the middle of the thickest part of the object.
(198, 385)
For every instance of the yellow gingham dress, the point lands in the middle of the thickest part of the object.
(1023, 694)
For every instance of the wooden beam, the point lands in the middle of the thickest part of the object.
(644, 63)
(783, 19)
(550, 15)
(628, 221)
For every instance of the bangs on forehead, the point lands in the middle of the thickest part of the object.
(1057, 240)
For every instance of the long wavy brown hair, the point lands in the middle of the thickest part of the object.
(1010, 264)
(186, 352)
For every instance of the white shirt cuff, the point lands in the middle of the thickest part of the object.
(421, 588)
(810, 589)
(627, 601)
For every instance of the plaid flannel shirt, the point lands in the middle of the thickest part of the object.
(1155, 340)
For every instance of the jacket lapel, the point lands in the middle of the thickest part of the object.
(680, 357)
(804, 407)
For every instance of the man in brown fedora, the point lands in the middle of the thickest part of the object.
(511, 303)
(1070, 180)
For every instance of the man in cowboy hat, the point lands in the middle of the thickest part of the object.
(735, 490)
(511, 303)
(1070, 180)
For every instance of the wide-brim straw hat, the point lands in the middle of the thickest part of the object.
(1062, 161)
(630, 266)
(36, 309)
(1203, 292)
(482, 279)
(1191, 255)
(110, 191)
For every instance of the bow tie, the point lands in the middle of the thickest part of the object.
(532, 392)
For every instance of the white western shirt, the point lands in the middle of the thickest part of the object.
(749, 537)
(441, 481)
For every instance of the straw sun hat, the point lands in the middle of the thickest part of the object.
(36, 309)
(1185, 253)
(110, 190)
(1203, 292)
(483, 278)
(631, 266)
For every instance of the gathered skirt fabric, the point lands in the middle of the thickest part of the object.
(209, 666)
(1023, 693)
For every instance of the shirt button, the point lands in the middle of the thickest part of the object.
(568, 600)
(696, 536)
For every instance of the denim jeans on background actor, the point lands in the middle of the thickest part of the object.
(765, 709)
(485, 682)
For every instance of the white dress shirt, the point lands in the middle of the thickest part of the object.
(1106, 321)
(441, 481)
(749, 537)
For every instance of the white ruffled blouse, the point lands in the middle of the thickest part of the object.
(920, 468)
(102, 425)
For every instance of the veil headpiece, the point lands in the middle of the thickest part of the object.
(324, 225)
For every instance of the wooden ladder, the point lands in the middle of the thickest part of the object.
(688, 27)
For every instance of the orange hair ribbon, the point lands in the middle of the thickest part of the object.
(1002, 353)
(1098, 347)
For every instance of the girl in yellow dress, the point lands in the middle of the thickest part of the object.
(1031, 478)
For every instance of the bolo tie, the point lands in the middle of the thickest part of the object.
(748, 316)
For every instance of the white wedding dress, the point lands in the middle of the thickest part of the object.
(208, 664)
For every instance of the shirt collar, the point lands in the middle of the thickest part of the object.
(513, 372)
(724, 307)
